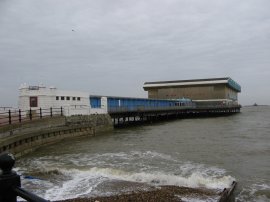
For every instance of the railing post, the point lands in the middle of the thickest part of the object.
(9, 116)
(40, 113)
(20, 115)
(10, 182)
(30, 114)
(51, 112)
(8, 179)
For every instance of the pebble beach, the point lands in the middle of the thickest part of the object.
(160, 194)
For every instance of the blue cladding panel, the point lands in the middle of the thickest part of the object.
(139, 103)
(113, 102)
(95, 102)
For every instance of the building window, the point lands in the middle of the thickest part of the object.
(57, 98)
(62, 98)
(33, 101)
(78, 98)
(67, 98)
(74, 98)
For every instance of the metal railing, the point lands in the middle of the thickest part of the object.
(167, 108)
(10, 182)
(18, 116)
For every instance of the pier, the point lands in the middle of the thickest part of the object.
(124, 116)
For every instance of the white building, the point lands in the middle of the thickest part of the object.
(72, 102)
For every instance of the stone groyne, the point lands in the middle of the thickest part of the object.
(20, 139)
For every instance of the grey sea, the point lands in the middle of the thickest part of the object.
(203, 152)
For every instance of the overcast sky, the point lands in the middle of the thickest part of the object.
(111, 47)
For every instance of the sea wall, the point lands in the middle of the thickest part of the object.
(20, 139)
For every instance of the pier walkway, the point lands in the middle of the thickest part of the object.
(124, 116)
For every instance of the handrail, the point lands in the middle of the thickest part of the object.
(27, 195)
(167, 108)
(10, 182)
(10, 117)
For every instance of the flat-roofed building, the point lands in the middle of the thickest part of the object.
(212, 89)
(72, 102)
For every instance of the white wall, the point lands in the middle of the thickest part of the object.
(104, 106)
(47, 97)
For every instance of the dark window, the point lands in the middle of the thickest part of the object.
(78, 98)
(33, 88)
(68, 98)
(62, 98)
(74, 98)
(33, 101)
(57, 98)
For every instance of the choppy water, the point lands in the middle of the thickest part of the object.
(207, 153)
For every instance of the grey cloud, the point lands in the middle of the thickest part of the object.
(112, 47)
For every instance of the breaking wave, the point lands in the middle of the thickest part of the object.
(83, 182)
(255, 193)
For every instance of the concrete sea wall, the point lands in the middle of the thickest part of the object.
(20, 139)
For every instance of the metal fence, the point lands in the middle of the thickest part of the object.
(10, 116)
(10, 182)
(140, 108)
